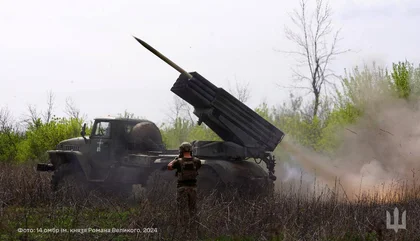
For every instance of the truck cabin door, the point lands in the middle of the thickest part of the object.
(100, 148)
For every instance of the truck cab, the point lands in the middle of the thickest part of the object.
(129, 151)
(118, 150)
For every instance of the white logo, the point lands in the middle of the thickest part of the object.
(98, 149)
(396, 224)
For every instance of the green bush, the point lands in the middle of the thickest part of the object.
(319, 133)
(10, 144)
(37, 139)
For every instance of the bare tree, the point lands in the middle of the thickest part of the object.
(177, 108)
(241, 91)
(7, 127)
(50, 106)
(180, 109)
(71, 110)
(316, 48)
(127, 115)
(5, 119)
(188, 111)
(33, 115)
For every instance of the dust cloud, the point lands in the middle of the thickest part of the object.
(379, 151)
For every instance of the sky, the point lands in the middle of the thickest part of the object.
(84, 50)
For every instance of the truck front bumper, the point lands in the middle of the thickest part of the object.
(45, 167)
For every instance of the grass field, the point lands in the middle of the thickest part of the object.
(27, 203)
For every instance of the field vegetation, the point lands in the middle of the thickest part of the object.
(326, 213)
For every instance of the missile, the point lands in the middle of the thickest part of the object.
(162, 57)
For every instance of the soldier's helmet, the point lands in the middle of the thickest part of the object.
(185, 147)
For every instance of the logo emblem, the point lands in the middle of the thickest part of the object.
(395, 225)
(98, 149)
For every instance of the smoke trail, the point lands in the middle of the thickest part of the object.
(382, 148)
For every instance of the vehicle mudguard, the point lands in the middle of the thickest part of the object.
(232, 171)
(57, 157)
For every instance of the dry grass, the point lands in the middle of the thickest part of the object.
(26, 202)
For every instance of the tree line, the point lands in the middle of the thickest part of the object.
(22, 141)
(314, 124)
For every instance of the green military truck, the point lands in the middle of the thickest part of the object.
(122, 152)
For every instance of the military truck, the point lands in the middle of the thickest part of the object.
(121, 152)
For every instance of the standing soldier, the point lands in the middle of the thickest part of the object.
(187, 170)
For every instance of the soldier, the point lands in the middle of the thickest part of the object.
(187, 170)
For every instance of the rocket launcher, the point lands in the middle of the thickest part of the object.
(229, 118)
(245, 133)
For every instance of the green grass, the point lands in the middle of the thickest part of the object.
(28, 203)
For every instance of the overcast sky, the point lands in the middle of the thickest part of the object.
(84, 49)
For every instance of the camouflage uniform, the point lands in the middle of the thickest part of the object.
(187, 168)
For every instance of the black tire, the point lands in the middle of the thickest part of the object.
(159, 177)
(69, 175)
(122, 190)
(247, 188)
(159, 184)
(209, 182)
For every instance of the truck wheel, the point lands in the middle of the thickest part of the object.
(247, 188)
(111, 188)
(159, 179)
(160, 184)
(208, 181)
(68, 175)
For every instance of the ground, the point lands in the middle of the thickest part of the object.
(30, 211)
